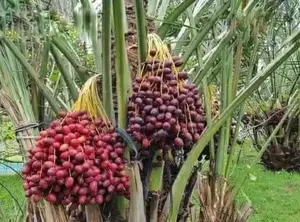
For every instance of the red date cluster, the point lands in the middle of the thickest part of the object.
(78, 159)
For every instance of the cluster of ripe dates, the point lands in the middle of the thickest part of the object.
(78, 159)
(165, 110)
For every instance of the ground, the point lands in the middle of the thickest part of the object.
(274, 196)
(8, 207)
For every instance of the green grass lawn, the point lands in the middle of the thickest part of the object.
(8, 206)
(275, 196)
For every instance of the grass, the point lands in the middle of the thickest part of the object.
(9, 209)
(274, 195)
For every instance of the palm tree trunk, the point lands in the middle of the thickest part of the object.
(131, 42)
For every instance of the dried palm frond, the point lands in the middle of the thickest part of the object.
(54, 213)
(279, 157)
(218, 203)
(26, 137)
(137, 210)
(35, 212)
(215, 100)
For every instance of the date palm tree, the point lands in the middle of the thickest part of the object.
(218, 41)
